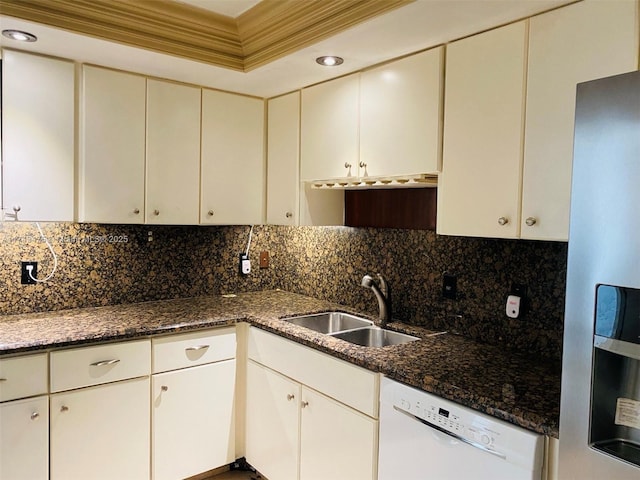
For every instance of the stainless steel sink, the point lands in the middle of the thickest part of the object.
(330, 322)
(375, 337)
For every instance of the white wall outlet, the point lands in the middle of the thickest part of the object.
(513, 306)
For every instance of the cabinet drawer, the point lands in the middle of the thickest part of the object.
(347, 383)
(23, 376)
(83, 367)
(190, 349)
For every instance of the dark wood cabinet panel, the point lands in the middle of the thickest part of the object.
(408, 208)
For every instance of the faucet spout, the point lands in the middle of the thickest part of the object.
(381, 291)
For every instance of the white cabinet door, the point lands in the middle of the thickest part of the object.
(401, 115)
(38, 137)
(193, 420)
(112, 147)
(272, 434)
(24, 439)
(479, 188)
(283, 145)
(329, 143)
(335, 441)
(567, 46)
(233, 169)
(173, 153)
(101, 432)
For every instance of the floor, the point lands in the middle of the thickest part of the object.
(237, 475)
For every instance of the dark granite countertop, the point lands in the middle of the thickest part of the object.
(520, 389)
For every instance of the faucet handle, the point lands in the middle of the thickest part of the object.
(384, 288)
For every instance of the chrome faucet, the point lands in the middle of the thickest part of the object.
(382, 294)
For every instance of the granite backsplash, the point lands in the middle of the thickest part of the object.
(112, 264)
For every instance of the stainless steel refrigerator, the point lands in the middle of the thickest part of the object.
(600, 406)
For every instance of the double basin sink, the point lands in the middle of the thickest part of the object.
(353, 329)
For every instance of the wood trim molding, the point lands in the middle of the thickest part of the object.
(266, 32)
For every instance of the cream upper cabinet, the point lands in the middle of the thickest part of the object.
(283, 159)
(38, 137)
(329, 142)
(112, 147)
(401, 116)
(232, 176)
(581, 42)
(479, 188)
(173, 153)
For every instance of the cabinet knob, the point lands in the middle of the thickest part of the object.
(363, 165)
(290, 396)
(503, 221)
(288, 214)
(304, 404)
(136, 211)
(35, 416)
(64, 408)
(210, 213)
(156, 212)
(17, 208)
(347, 165)
(531, 221)
(164, 388)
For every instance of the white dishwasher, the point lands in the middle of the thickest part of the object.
(424, 437)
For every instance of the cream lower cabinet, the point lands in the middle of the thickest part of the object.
(101, 432)
(24, 439)
(309, 415)
(193, 418)
(272, 418)
(100, 412)
(24, 422)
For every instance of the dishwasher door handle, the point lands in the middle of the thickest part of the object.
(451, 434)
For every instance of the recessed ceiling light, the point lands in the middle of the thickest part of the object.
(19, 35)
(329, 61)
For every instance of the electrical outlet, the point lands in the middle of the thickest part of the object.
(245, 264)
(449, 286)
(25, 278)
(264, 259)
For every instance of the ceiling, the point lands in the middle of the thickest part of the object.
(410, 28)
(229, 8)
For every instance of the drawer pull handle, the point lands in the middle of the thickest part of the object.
(105, 362)
(35, 416)
(64, 408)
(3, 379)
(290, 396)
(195, 349)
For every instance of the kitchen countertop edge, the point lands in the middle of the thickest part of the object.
(265, 310)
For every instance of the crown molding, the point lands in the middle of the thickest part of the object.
(275, 28)
(266, 32)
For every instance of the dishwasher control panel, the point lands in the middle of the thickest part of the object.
(448, 416)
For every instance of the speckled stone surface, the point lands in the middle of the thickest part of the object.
(102, 265)
(520, 389)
